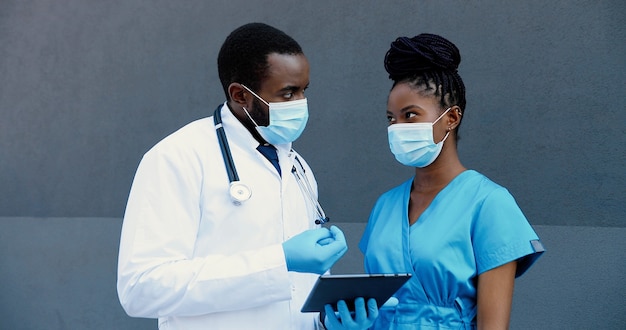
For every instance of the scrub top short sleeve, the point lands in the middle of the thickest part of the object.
(502, 234)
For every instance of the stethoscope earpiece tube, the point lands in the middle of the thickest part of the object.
(223, 142)
(238, 191)
(306, 188)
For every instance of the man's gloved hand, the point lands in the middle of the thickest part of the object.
(343, 320)
(315, 250)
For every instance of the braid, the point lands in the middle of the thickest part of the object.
(428, 62)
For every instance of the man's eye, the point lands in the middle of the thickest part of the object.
(288, 95)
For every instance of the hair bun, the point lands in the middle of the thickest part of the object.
(424, 52)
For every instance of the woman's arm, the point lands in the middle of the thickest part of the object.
(495, 296)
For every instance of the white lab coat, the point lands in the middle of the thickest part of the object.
(191, 258)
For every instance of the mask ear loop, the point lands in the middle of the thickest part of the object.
(253, 93)
(445, 137)
(248, 114)
(436, 120)
(246, 110)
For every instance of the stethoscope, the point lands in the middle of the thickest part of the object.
(240, 192)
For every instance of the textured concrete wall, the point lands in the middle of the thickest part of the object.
(86, 87)
(59, 273)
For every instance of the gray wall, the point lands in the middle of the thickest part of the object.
(86, 87)
(59, 273)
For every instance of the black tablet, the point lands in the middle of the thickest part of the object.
(329, 289)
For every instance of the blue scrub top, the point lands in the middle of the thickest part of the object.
(472, 225)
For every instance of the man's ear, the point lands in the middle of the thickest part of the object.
(236, 93)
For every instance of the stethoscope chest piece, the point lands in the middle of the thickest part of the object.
(239, 192)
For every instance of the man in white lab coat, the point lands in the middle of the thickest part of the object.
(197, 252)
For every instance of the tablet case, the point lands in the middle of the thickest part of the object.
(329, 289)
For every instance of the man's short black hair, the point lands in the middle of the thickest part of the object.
(243, 56)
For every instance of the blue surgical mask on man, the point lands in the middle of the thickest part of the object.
(413, 144)
(287, 120)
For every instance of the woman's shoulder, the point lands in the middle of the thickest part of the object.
(476, 180)
(394, 195)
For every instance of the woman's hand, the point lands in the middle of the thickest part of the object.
(360, 319)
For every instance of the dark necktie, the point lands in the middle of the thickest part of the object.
(270, 153)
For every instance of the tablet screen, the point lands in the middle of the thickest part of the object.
(329, 289)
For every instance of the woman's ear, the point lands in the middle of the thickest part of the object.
(454, 117)
(236, 93)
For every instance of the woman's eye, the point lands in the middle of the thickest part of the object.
(390, 119)
(410, 115)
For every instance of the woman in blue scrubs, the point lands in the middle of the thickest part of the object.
(462, 236)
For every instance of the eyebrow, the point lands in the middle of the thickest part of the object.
(407, 108)
(291, 88)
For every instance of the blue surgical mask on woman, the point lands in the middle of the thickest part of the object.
(287, 120)
(413, 143)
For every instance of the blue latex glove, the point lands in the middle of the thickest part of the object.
(315, 250)
(361, 319)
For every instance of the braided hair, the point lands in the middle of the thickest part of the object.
(428, 63)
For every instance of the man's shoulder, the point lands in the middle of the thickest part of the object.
(193, 135)
(202, 126)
